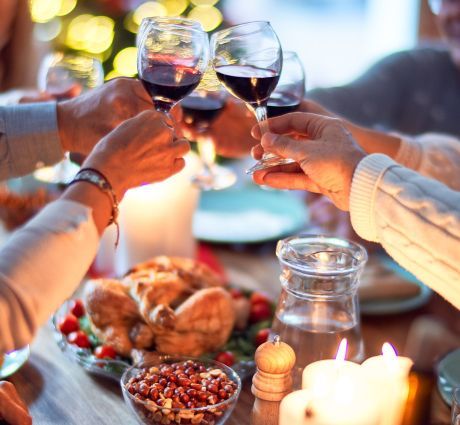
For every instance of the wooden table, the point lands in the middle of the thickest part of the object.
(60, 392)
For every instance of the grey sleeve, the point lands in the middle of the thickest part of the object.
(375, 97)
(29, 138)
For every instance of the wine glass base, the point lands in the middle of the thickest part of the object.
(263, 164)
(216, 179)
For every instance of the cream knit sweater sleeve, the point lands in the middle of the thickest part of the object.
(415, 218)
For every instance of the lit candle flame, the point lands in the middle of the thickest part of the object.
(342, 351)
(388, 351)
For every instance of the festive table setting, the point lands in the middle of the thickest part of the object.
(213, 300)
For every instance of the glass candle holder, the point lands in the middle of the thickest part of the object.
(318, 305)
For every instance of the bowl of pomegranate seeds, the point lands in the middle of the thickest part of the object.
(181, 391)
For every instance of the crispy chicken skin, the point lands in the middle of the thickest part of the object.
(176, 302)
(115, 317)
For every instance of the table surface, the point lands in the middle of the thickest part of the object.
(58, 391)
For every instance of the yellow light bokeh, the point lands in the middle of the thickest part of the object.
(147, 9)
(208, 16)
(125, 62)
(93, 34)
(204, 2)
(66, 7)
(112, 74)
(44, 10)
(175, 7)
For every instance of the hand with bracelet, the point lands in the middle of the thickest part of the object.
(141, 150)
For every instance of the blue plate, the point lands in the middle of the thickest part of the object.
(396, 306)
(449, 375)
(248, 215)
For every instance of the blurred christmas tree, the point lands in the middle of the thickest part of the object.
(107, 29)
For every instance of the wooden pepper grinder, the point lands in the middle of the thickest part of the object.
(272, 380)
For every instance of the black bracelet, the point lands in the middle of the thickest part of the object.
(95, 177)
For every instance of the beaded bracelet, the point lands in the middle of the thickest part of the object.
(95, 177)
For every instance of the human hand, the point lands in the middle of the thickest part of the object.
(12, 409)
(141, 150)
(85, 119)
(231, 131)
(34, 96)
(325, 152)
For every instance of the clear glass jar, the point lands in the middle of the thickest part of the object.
(318, 305)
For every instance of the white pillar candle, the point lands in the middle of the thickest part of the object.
(340, 393)
(295, 409)
(389, 374)
(154, 219)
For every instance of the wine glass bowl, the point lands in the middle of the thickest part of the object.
(248, 61)
(199, 110)
(290, 89)
(173, 54)
(68, 75)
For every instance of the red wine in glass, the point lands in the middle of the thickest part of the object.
(281, 103)
(200, 112)
(167, 84)
(249, 83)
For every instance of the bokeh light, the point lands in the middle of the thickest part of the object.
(44, 10)
(125, 62)
(112, 74)
(93, 34)
(208, 16)
(175, 7)
(204, 2)
(49, 30)
(147, 9)
(66, 7)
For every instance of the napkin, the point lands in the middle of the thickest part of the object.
(379, 281)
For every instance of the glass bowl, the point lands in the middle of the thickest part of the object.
(150, 413)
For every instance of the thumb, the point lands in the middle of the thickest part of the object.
(284, 146)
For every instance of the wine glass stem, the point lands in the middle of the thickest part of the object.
(207, 151)
(260, 112)
(261, 116)
(165, 109)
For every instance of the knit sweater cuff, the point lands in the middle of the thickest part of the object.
(363, 192)
(410, 152)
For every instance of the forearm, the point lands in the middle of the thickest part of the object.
(416, 219)
(372, 141)
(43, 263)
(28, 139)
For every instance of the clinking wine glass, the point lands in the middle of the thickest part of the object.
(200, 110)
(65, 76)
(290, 89)
(248, 60)
(172, 56)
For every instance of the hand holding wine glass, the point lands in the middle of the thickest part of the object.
(173, 55)
(247, 59)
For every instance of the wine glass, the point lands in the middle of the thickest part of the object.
(248, 59)
(199, 110)
(65, 76)
(172, 56)
(290, 89)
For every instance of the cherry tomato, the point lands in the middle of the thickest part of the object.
(226, 357)
(68, 324)
(80, 339)
(259, 297)
(262, 336)
(235, 293)
(105, 352)
(77, 308)
(259, 312)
